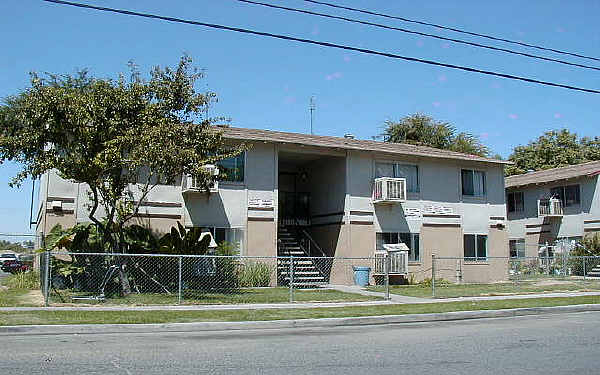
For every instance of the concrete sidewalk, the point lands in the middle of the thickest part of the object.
(396, 300)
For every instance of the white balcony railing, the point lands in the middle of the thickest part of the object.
(389, 190)
(550, 207)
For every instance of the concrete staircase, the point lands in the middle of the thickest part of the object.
(595, 272)
(306, 274)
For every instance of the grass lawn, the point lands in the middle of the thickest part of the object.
(251, 295)
(473, 290)
(138, 317)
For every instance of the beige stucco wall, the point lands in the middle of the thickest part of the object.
(492, 270)
(355, 241)
(447, 241)
(66, 220)
(261, 238)
(443, 241)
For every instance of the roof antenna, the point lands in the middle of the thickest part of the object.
(311, 107)
(203, 70)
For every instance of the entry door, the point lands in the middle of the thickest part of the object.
(294, 206)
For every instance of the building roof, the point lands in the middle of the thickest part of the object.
(555, 174)
(349, 144)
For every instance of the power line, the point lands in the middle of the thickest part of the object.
(442, 27)
(324, 44)
(453, 40)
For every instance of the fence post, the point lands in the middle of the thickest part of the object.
(433, 275)
(47, 279)
(180, 284)
(291, 278)
(547, 259)
(386, 267)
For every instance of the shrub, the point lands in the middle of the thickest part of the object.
(23, 280)
(255, 275)
(438, 282)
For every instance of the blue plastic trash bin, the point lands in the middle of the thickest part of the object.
(361, 275)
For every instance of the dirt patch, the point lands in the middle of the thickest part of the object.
(553, 282)
(34, 297)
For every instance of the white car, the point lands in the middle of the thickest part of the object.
(7, 256)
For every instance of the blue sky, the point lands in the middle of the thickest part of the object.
(266, 83)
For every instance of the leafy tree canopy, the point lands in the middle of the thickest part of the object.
(556, 148)
(121, 137)
(422, 130)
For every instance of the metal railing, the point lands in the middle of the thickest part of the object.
(550, 207)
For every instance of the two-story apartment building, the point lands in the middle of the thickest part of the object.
(349, 197)
(550, 205)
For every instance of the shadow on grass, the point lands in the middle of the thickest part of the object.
(215, 297)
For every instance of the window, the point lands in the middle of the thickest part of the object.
(515, 201)
(473, 183)
(475, 247)
(569, 195)
(409, 172)
(517, 248)
(409, 239)
(234, 236)
(232, 169)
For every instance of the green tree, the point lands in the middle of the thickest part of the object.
(555, 148)
(423, 130)
(122, 137)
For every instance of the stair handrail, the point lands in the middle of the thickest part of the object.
(310, 239)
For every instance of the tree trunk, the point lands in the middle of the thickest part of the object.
(125, 286)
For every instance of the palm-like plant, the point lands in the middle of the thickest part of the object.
(180, 241)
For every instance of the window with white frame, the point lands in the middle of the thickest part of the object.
(517, 248)
(475, 247)
(411, 240)
(234, 236)
(473, 183)
(408, 171)
(515, 202)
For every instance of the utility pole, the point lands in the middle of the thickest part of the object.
(311, 108)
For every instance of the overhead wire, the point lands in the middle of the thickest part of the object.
(324, 44)
(453, 40)
(462, 31)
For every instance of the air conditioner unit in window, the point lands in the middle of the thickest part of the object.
(192, 184)
(389, 190)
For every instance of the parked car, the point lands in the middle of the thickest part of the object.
(14, 266)
(7, 256)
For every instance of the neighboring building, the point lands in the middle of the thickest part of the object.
(435, 201)
(550, 205)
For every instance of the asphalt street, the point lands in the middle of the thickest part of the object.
(549, 344)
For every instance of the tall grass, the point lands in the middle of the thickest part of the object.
(23, 280)
(255, 275)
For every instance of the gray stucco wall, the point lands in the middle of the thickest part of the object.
(572, 223)
(339, 181)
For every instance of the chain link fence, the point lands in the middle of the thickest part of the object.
(493, 276)
(203, 279)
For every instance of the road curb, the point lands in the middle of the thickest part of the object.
(282, 324)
